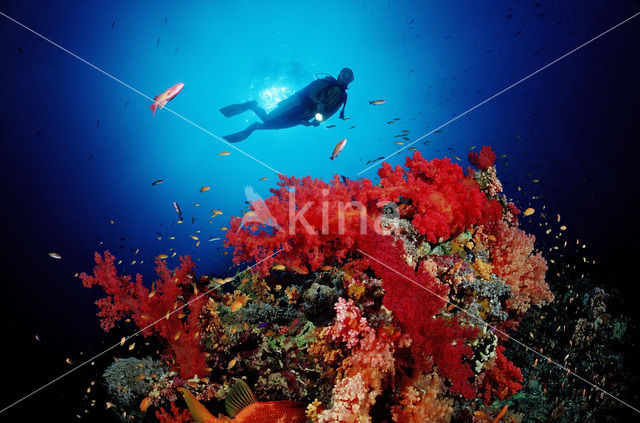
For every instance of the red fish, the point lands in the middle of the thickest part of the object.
(338, 148)
(243, 407)
(162, 99)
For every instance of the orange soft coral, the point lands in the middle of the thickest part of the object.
(513, 260)
(422, 403)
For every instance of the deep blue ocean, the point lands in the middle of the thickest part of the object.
(80, 149)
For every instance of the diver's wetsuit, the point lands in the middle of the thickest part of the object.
(323, 96)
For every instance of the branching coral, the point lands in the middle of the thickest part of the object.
(484, 159)
(176, 415)
(370, 363)
(514, 261)
(502, 378)
(128, 378)
(442, 201)
(178, 331)
(379, 303)
(423, 402)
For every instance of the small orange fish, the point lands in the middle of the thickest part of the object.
(301, 270)
(145, 404)
(243, 407)
(501, 414)
(238, 304)
(162, 99)
(338, 148)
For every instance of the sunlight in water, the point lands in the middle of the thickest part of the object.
(270, 97)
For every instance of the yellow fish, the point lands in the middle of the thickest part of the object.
(529, 212)
(238, 304)
(205, 188)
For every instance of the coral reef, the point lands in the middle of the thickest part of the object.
(583, 330)
(369, 302)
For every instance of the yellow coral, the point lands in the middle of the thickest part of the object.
(483, 269)
(314, 409)
(292, 294)
(356, 290)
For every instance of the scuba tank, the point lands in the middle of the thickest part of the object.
(329, 94)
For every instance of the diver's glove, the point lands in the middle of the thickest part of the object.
(315, 122)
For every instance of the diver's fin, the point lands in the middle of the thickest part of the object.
(240, 136)
(198, 411)
(239, 398)
(236, 109)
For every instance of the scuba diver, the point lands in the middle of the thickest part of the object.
(311, 105)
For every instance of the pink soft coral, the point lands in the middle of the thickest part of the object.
(365, 370)
(513, 260)
(349, 325)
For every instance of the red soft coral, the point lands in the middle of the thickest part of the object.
(439, 200)
(501, 380)
(318, 226)
(443, 200)
(415, 298)
(484, 159)
(153, 311)
(176, 416)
